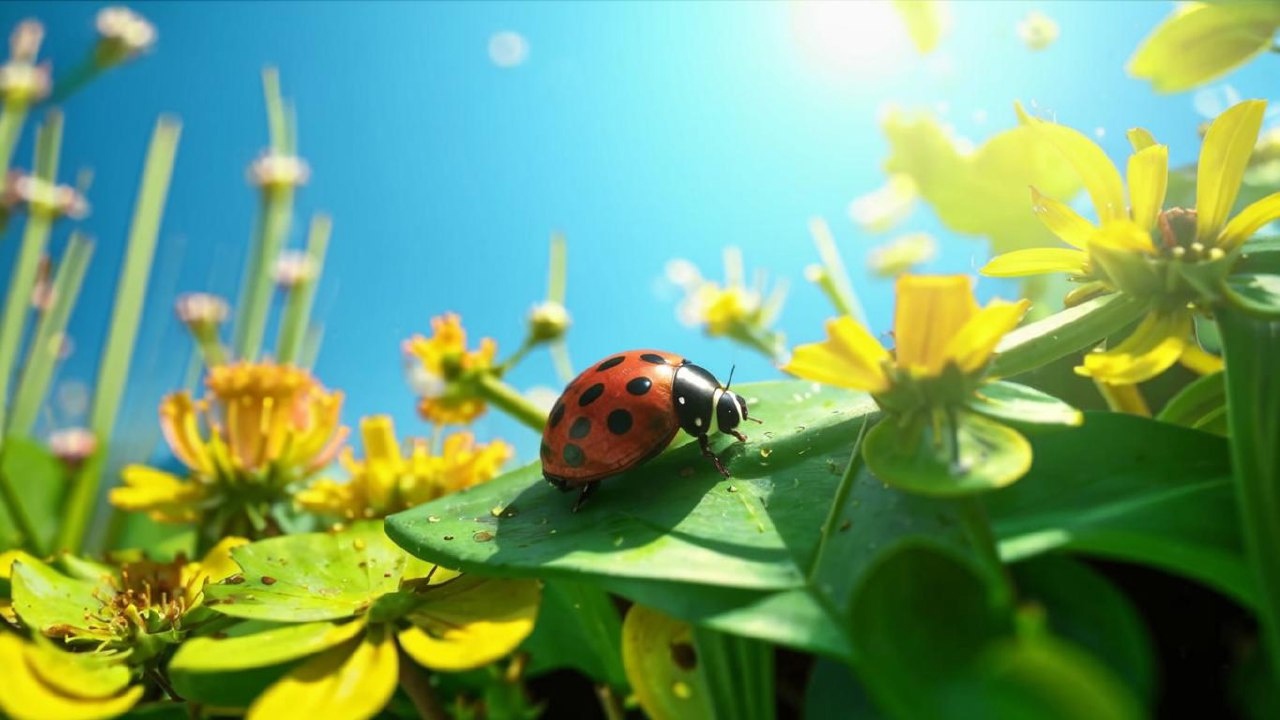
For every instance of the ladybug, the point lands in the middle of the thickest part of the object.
(625, 409)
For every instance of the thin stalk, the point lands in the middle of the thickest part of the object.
(609, 703)
(1251, 348)
(49, 147)
(277, 126)
(835, 279)
(297, 311)
(277, 211)
(23, 279)
(11, 120)
(560, 360)
(42, 355)
(131, 289)
(598, 618)
(509, 400)
(417, 686)
(557, 269)
(1065, 332)
(311, 346)
(832, 524)
(973, 515)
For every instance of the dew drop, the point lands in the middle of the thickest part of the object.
(681, 690)
(617, 542)
(496, 510)
(358, 544)
(733, 488)
(433, 519)
(766, 452)
(482, 536)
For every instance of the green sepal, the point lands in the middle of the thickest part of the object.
(1260, 255)
(946, 454)
(1019, 405)
(53, 604)
(1254, 294)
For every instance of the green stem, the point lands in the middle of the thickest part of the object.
(297, 311)
(17, 511)
(739, 674)
(973, 515)
(558, 269)
(832, 524)
(277, 211)
(507, 399)
(11, 120)
(835, 278)
(131, 289)
(1251, 347)
(277, 127)
(23, 279)
(417, 686)
(42, 355)
(599, 621)
(609, 703)
(1071, 330)
(72, 82)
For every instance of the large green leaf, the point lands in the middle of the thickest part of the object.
(49, 602)
(314, 576)
(578, 626)
(1133, 489)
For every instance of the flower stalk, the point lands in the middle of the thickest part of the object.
(1252, 349)
(301, 297)
(126, 316)
(507, 399)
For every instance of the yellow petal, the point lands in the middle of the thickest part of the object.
(164, 497)
(1201, 41)
(1155, 345)
(24, 695)
(925, 20)
(1140, 139)
(930, 311)
(343, 682)
(470, 622)
(973, 345)
(180, 425)
(1123, 398)
(1148, 180)
(1223, 159)
(1099, 175)
(1062, 220)
(1195, 359)
(1243, 226)
(1037, 261)
(849, 357)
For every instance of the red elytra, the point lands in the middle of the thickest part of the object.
(625, 409)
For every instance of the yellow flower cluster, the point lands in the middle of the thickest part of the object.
(261, 426)
(443, 362)
(388, 481)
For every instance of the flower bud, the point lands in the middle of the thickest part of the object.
(548, 321)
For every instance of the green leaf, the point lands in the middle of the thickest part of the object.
(1255, 294)
(1252, 352)
(37, 478)
(229, 692)
(578, 627)
(1132, 489)
(673, 519)
(48, 601)
(834, 691)
(1018, 405)
(270, 647)
(1201, 404)
(1063, 333)
(1259, 255)
(1082, 607)
(910, 645)
(314, 576)
(961, 455)
(738, 672)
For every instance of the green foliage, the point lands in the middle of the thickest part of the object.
(947, 456)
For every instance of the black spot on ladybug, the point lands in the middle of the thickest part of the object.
(573, 455)
(590, 395)
(610, 363)
(545, 451)
(580, 428)
(652, 358)
(557, 414)
(684, 656)
(619, 422)
(639, 386)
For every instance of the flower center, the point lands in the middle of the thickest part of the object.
(1177, 238)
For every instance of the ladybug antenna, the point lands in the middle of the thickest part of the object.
(731, 369)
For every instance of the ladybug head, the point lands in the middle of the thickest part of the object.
(731, 411)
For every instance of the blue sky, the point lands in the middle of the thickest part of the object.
(643, 131)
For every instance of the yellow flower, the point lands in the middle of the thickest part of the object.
(261, 428)
(444, 361)
(387, 481)
(1037, 30)
(926, 22)
(883, 208)
(731, 309)
(1202, 40)
(1175, 260)
(899, 255)
(937, 325)
(43, 682)
(977, 191)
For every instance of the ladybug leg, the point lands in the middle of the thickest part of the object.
(583, 494)
(706, 452)
(740, 436)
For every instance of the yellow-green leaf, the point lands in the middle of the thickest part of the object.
(661, 662)
(1201, 41)
(272, 647)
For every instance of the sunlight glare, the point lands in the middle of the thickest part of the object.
(864, 36)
